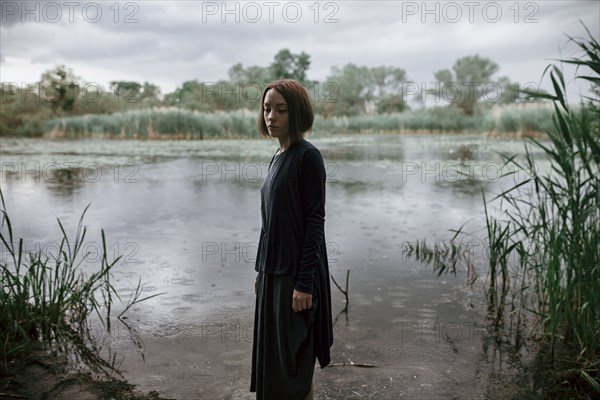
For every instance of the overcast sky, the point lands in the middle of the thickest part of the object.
(169, 42)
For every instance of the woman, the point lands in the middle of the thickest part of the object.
(292, 321)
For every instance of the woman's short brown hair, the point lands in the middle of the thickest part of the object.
(301, 113)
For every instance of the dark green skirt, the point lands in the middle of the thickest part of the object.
(283, 351)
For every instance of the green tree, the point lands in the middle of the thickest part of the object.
(126, 91)
(189, 95)
(131, 94)
(150, 95)
(352, 83)
(181, 96)
(252, 74)
(22, 111)
(61, 88)
(470, 81)
(214, 96)
(386, 88)
(287, 65)
(362, 89)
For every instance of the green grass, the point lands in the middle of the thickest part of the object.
(48, 301)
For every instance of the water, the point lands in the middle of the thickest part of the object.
(185, 217)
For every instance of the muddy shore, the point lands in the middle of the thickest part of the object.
(41, 376)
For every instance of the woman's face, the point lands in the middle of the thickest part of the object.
(276, 114)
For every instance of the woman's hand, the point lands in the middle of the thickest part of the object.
(301, 301)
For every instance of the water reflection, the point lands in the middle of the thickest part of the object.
(59, 180)
(376, 149)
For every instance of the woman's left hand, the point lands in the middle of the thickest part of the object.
(301, 301)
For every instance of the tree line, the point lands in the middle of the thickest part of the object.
(351, 90)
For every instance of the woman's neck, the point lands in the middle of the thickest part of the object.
(284, 144)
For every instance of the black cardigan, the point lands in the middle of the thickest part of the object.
(292, 238)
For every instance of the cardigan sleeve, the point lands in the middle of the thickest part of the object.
(312, 195)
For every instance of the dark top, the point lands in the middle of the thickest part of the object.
(292, 238)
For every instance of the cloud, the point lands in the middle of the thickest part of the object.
(168, 42)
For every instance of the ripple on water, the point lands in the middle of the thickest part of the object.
(419, 364)
(170, 301)
(426, 313)
(183, 281)
(154, 382)
(167, 330)
(181, 310)
(363, 301)
(398, 304)
(403, 294)
(229, 304)
(235, 358)
(407, 353)
(426, 285)
(193, 298)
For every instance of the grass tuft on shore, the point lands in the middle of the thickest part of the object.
(47, 300)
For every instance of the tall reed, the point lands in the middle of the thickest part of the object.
(175, 123)
(47, 300)
(544, 247)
